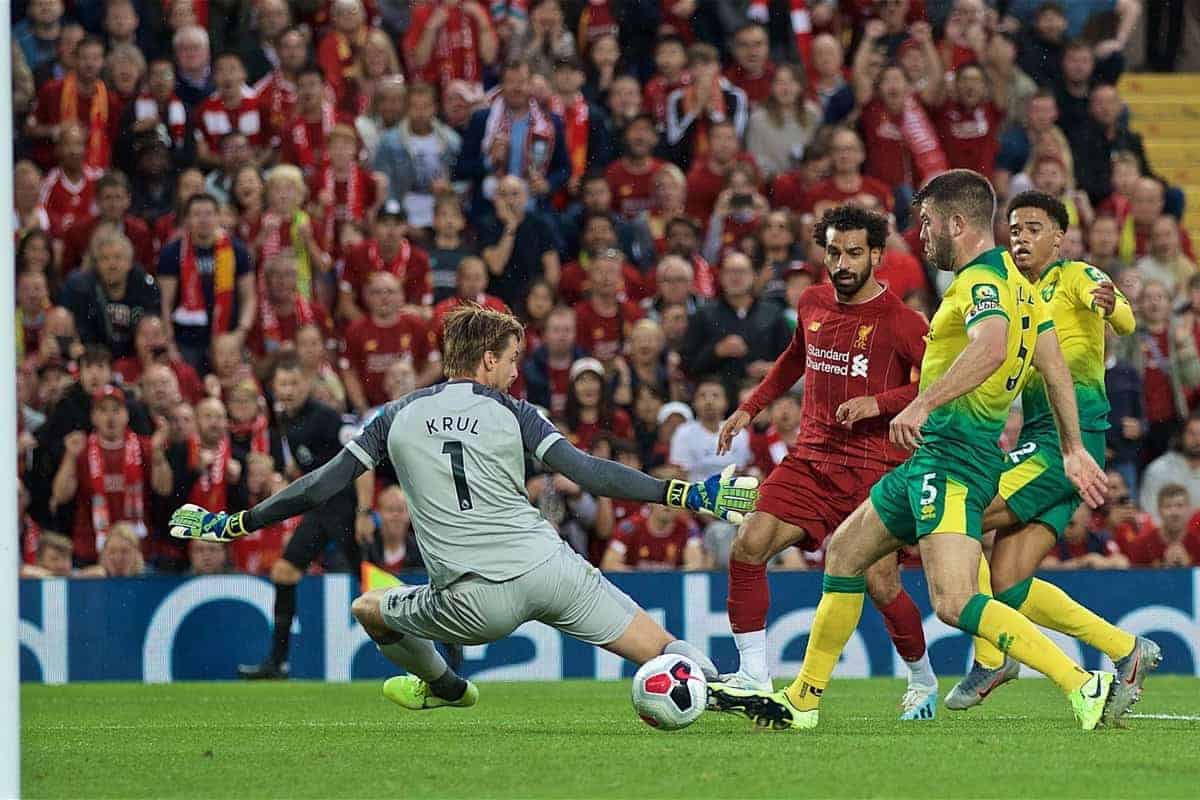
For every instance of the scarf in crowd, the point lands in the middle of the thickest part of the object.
(273, 244)
(455, 54)
(356, 200)
(576, 120)
(397, 266)
(210, 489)
(595, 22)
(256, 431)
(173, 115)
(539, 141)
(97, 152)
(919, 134)
(307, 156)
(271, 329)
(134, 474)
(798, 16)
(31, 539)
(347, 56)
(193, 309)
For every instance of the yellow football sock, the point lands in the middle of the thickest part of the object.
(837, 617)
(986, 654)
(1051, 607)
(1012, 633)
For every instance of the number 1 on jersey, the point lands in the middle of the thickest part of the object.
(455, 451)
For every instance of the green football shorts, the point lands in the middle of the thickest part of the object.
(944, 487)
(1034, 484)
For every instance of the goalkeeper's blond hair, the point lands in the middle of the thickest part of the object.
(472, 330)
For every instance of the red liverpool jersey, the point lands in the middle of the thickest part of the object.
(644, 550)
(846, 351)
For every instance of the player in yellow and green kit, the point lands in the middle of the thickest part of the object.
(990, 329)
(1036, 500)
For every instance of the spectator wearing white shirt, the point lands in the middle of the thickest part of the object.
(694, 451)
(694, 444)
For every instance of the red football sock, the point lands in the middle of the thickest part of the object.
(903, 622)
(749, 596)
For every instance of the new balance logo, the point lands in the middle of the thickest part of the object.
(858, 366)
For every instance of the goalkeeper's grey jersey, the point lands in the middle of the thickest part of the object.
(459, 452)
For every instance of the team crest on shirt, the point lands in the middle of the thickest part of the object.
(371, 345)
(863, 337)
(985, 296)
(1095, 274)
(814, 326)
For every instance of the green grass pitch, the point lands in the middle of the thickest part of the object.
(580, 739)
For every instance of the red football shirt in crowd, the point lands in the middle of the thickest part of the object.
(704, 186)
(67, 202)
(113, 465)
(846, 351)
(573, 283)
(901, 273)
(78, 237)
(129, 369)
(277, 102)
(260, 342)
(827, 191)
(757, 89)
(644, 550)
(410, 265)
(888, 158)
(970, 137)
(1156, 383)
(369, 350)
(584, 434)
(604, 336)
(633, 191)
(215, 121)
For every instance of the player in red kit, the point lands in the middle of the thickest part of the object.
(858, 348)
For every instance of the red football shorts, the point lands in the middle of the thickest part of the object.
(815, 496)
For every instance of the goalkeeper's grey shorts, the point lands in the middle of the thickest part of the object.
(564, 592)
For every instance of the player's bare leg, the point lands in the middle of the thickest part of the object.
(645, 639)
(903, 622)
(430, 682)
(758, 540)
(284, 575)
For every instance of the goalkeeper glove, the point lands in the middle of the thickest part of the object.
(725, 496)
(193, 522)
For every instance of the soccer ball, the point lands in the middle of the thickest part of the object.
(669, 692)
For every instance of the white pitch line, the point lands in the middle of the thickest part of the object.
(1183, 717)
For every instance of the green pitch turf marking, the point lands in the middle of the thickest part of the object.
(581, 740)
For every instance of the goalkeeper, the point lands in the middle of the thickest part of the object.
(494, 563)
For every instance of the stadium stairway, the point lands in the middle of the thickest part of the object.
(1165, 110)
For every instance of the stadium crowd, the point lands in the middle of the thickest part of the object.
(230, 210)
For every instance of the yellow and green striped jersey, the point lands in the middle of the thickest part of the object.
(1066, 288)
(990, 286)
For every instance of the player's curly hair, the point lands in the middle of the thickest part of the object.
(852, 218)
(472, 330)
(1053, 207)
